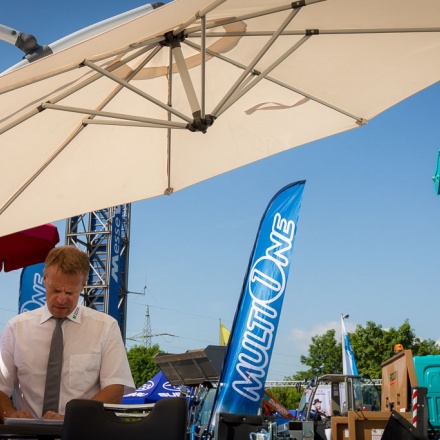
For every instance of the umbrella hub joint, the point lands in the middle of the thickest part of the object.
(200, 124)
(29, 45)
(298, 4)
(172, 40)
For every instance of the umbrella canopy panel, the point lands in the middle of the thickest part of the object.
(196, 88)
(28, 247)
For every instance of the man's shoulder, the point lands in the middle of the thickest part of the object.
(26, 320)
(27, 316)
(87, 313)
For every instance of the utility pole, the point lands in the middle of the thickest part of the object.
(146, 336)
(147, 329)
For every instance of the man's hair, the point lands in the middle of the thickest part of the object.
(69, 260)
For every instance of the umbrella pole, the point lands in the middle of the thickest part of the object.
(203, 67)
(169, 190)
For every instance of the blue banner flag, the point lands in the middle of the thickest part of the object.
(253, 332)
(32, 290)
(348, 360)
(116, 262)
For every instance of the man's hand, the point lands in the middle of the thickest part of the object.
(52, 415)
(18, 414)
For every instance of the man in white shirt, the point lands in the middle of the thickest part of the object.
(95, 364)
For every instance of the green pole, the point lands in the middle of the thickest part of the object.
(436, 177)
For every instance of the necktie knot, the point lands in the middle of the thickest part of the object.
(58, 321)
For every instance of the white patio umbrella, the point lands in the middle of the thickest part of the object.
(171, 97)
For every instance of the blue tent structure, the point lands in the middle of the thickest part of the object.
(155, 389)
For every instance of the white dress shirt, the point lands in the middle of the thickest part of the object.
(94, 357)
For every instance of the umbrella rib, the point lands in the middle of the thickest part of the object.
(71, 136)
(71, 90)
(203, 12)
(239, 93)
(360, 120)
(130, 76)
(48, 105)
(198, 123)
(169, 189)
(186, 80)
(254, 62)
(131, 123)
(136, 90)
(28, 182)
(151, 43)
(214, 24)
(220, 34)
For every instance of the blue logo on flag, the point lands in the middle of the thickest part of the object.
(32, 290)
(252, 338)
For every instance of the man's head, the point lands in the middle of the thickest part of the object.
(317, 403)
(65, 274)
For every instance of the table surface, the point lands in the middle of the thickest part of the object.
(34, 430)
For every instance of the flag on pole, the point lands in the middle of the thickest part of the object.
(32, 291)
(224, 334)
(253, 332)
(348, 360)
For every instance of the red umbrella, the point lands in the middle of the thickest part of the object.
(28, 247)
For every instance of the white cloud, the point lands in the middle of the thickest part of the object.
(302, 339)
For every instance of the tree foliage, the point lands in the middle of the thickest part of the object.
(289, 397)
(372, 345)
(142, 366)
(324, 356)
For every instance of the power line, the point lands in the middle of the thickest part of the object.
(147, 335)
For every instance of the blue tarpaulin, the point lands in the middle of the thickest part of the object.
(155, 389)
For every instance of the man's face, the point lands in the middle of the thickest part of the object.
(62, 291)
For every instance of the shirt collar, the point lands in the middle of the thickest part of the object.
(75, 316)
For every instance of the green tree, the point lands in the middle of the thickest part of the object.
(324, 356)
(289, 397)
(372, 345)
(142, 366)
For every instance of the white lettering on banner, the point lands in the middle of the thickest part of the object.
(167, 386)
(267, 273)
(175, 394)
(116, 243)
(39, 298)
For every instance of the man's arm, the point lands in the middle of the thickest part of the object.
(8, 410)
(110, 394)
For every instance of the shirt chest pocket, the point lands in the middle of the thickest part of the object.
(84, 371)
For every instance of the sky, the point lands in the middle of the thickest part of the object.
(367, 240)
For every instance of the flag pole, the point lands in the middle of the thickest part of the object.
(343, 333)
(348, 360)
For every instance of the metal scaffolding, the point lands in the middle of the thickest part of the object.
(105, 236)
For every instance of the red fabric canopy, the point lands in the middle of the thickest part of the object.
(28, 247)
